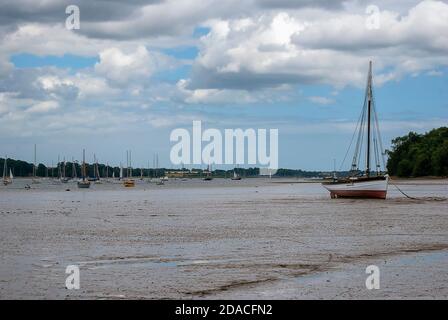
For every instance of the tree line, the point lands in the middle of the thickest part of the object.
(417, 155)
(21, 168)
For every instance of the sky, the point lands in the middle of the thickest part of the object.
(136, 70)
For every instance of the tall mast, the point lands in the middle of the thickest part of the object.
(130, 164)
(34, 166)
(59, 167)
(74, 174)
(4, 168)
(369, 105)
(83, 164)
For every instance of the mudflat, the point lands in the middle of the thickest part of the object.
(254, 238)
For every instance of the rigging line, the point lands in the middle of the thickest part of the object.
(362, 133)
(378, 132)
(380, 140)
(355, 155)
(377, 146)
(351, 141)
(375, 149)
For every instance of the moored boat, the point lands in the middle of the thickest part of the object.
(6, 180)
(83, 183)
(368, 183)
(208, 174)
(359, 187)
(129, 182)
(236, 176)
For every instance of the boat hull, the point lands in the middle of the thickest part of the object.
(83, 184)
(374, 188)
(129, 183)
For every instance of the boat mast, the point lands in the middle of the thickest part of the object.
(369, 104)
(74, 174)
(34, 166)
(83, 170)
(130, 164)
(4, 168)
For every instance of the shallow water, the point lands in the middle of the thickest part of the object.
(254, 238)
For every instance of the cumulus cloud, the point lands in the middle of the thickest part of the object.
(119, 66)
(213, 96)
(333, 48)
(250, 52)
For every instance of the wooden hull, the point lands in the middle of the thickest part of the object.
(83, 184)
(362, 188)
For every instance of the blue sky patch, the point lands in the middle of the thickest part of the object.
(27, 60)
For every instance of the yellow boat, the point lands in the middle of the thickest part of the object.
(128, 183)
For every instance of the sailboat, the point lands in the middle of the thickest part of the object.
(236, 176)
(158, 180)
(364, 184)
(6, 180)
(129, 182)
(208, 174)
(74, 173)
(64, 179)
(83, 183)
(35, 181)
(107, 172)
(97, 172)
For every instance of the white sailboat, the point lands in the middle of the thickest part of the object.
(364, 184)
(6, 180)
(74, 173)
(64, 179)
(97, 172)
(236, 176)
(35, 181)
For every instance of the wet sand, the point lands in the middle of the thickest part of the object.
(254, 238)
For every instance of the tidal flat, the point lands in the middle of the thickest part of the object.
(256, 238)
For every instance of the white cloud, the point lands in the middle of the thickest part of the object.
(253, 50)
(321, 48)
(43, 107)
(119, 66)
(214, 96)
(320, 100)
